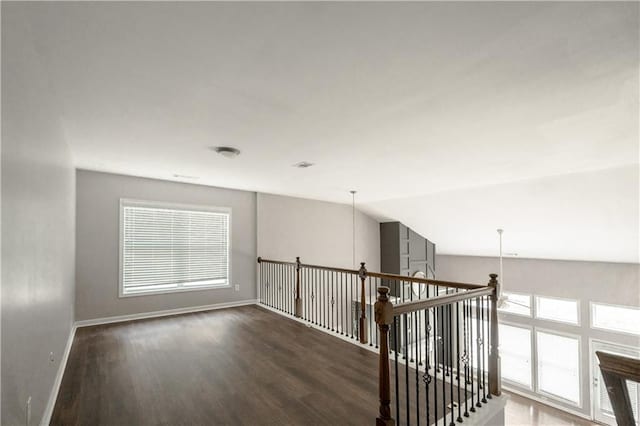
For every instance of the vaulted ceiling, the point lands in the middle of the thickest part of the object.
(457, 118)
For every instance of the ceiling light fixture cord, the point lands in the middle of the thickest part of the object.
(353, 227)
(501, 299)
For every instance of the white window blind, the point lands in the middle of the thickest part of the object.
(167, 248)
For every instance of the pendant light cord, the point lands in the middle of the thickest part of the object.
(353, 227)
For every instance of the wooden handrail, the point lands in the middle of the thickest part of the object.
(305, 265)
(616, 370)
(277, 262)
(424, 280)
(446, 299)
(453, 284)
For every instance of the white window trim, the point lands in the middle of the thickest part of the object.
(580, 372)
(532, 357)
(531, 307)
(127, 202)
(578, 309)
(613, 330)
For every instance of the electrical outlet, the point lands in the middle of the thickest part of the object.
(51, 357)
(28, 412)
(237, 287)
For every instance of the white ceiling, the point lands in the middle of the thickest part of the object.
(397, 100)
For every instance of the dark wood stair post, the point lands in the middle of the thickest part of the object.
(495, 376)
(298, 308)
(616, 370)
(362, 273)
(384, 318)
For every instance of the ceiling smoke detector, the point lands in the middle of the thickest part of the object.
(226, 151)
(303, 164)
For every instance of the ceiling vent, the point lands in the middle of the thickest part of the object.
(303, 164)
(226, 151)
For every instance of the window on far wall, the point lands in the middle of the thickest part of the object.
(515, 354)
(556, 309)
(516, 303)
(559, 365)
(624, 319)
(168, 248)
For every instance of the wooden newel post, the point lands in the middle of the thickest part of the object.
(495, 377)
(384, 318)
(362, 273)
(298, 308)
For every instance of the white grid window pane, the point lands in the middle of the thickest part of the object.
(559, 365)
(515, 354)
(563, 310)
(516, 303)
(165, 249)
(624, 319)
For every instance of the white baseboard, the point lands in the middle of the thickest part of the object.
(48, 411)
(164, 313)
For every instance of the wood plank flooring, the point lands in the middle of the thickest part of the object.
(236, 366)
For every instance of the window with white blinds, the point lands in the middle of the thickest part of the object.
(172, 248)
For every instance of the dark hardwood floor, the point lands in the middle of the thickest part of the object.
(234, 366)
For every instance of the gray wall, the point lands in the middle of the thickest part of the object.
(97, 240)
(38, 199)
(613, 283)
(317, 231)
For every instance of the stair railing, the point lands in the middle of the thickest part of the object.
(616, 370)
(440, 336)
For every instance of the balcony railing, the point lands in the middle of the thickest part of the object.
(437, 340)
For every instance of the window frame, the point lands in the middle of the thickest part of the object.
(549, 395)
(127, 202)
(532, 356)
(531, 305)
(592, 306)
(578, 322)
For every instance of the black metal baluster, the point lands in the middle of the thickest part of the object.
(465, 356)
(458, 360)
(426, 377)
(332, 303)
(483, 345)
(444, 362)
(417, 377)
(327, 303)
(478, 352)
(325, 311)
(489, 342)
(287, 294)
(450, 344)
(341, 311)
(471, 353)
(406, 371)
(435, 364)
(267, 272)
(395, 345)
(419, 330)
